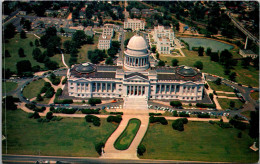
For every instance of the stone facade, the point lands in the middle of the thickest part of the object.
(136, 78)
(134, 24)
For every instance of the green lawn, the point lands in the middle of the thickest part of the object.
(68, 137)
(45, 101)
(228, 95)
(255, 95)
(32, 89)
(221, 87)
(128, 135)
(13, 46)
(8, 86)
(200, 141)
(244, 76)
(224, 103)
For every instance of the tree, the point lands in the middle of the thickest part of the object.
(7, 54)
(226, 71)
(62, 30)
(90, 40)
(254, 124)
(232, 104)
(27, 25)
(9, 31)
(6, 73)
(153, 49)
(218, 81)
(21, 52)
(36, 68)
(49, 115)
(175, 103)
(79, 37)
(39, 97)
(111, 52)
(157, 56)
(51, 31)
(178, 125)
(9, 103)
(99, 147)
(109, 61)
(161, 63)
(93, 101)
(37, 54)
(126, 42)
(177, 26)
(208, 51)
(214, 56)
(211, 96)
(232, 76)
(175, 62)
(31, 43)
(49, 93)
(200, 51)
(23, 66)
(52, 65)
(256, 62)
(141, 149)
(22, 34)
(246, 62)
(37, 43)
(199, 65)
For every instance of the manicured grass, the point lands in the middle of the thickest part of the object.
(228, 95)
(32, 89)
(128, 35)
(45, 101)
(224, 103)
(221, 87)
(68, 137)
(200, 141)
(8, 86)
(248, 76)
(83, 51)
(128, 135)
(255, 95)
(13, 46)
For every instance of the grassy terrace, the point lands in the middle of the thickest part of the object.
(200, 141)
(128, 135)
(248, 76)
(8, 86)
(221, 87)
(128, 35)
(224, 103)
(32, 89)
(27, 136)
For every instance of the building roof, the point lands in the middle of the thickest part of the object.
(247, 51)
(105, 37)
(85, 68)
(137, 43)
(186, 71)
(136, 74)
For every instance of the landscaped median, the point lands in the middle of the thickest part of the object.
(125, 139)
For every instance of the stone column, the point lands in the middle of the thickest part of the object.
(160, 88)
(106, 88)
(175, 88)
(170, 89)
(141, 90)
(165, 89)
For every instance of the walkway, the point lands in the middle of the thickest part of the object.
(209, 90)
(131, 152)
(229, 93)
(225, 97)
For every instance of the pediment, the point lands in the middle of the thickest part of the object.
(136, 78)
(189, 83)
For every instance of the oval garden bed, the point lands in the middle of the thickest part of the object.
(125, 139)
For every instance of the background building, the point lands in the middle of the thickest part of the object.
(134, 24)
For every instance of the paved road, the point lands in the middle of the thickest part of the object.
(32, 159)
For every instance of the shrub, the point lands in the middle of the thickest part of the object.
(224, 125)
(206, 86)
(211, 122)
(116, 119)
(36, 115)
(94, 119)
(30, 115)
(90, 111)
(59, 92)
(39, 97)
(203, 115)
(205, 105)
(39, 120)
(162, 120)
(98, 147)
(141, 149)
(94, 101)
(120, 113)
(68, 111)
(184, 120)
(49, 93)
(175, 114)
(238, 124)
(49, 115)
(56, 81)
(211, 96)
(175, 103)
(52, 108)
(30, 106)
(39, 109)
(178, 125)
(59, 118)
(64, 81)
(184, 114)
(44, 89)
(155, 114)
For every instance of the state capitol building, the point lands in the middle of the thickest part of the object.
(135, 75)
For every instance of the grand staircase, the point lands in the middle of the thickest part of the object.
(135, 103)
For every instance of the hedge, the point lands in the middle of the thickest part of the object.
(94, 101)
(65, 101)
(141, 149)
(203, 115)
(206, 105)
(99, 146)
(175, 103)
(94, 119)
(178, 125)
(238, 124)
(90, 111)
(155, 114)
(120, 113)
(116, 119)
(184, 114)
(162, 120)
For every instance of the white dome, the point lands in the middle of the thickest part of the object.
(137, 43)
